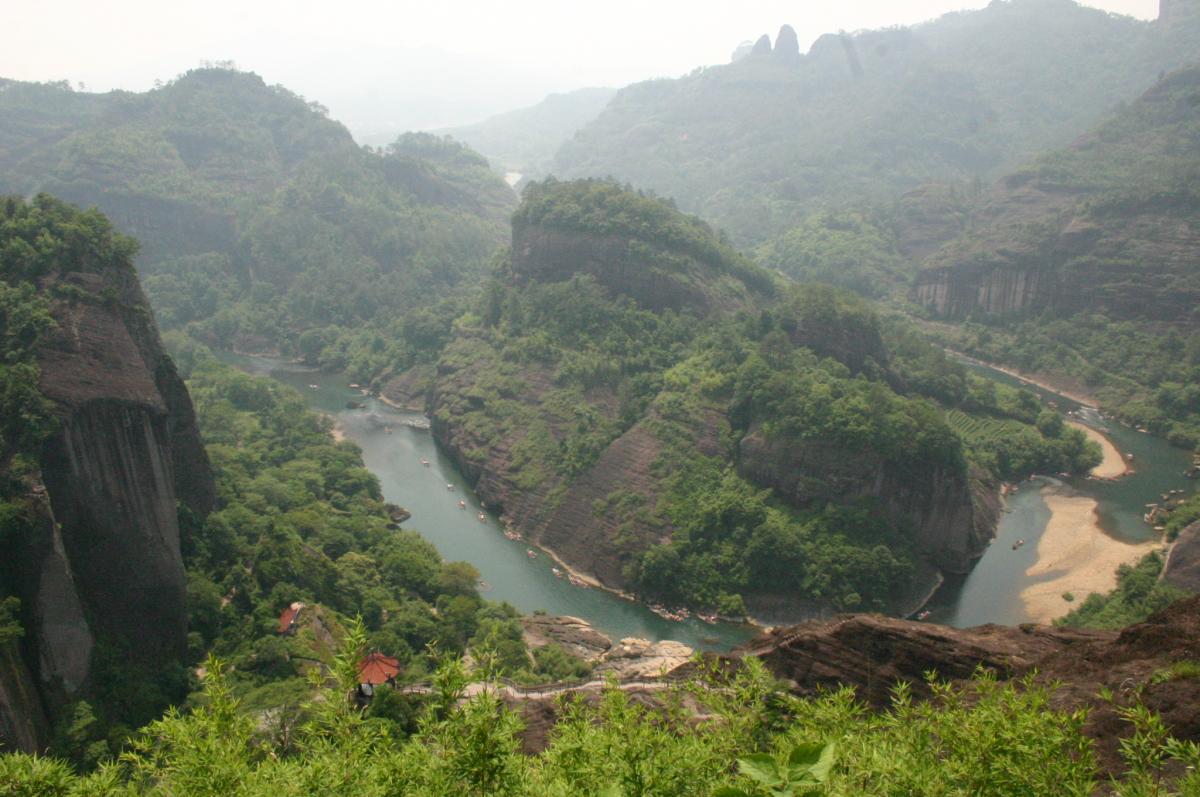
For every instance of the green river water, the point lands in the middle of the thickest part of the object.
(504, 566)
(989, 594)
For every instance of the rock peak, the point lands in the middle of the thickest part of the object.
(762, 46)
(787, 46)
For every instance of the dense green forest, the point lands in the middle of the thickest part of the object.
(1143, 378)
(263, 225)
(1106, 228)
(803, 366)
(757, 145)
(719, 734)
(31, 236)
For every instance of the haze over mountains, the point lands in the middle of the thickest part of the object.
(755, 145)
(704, 355)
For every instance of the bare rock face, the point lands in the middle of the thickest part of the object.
(572, 634)
(640, 658)
(1045, 238)
(408, 390)
(1182, 568)
(104, 561)
(953, 514)
(787, 46)
(111, 472)
(23, 722)
(872, 653)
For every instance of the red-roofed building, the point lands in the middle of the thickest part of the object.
(289, 618)
(377, 669)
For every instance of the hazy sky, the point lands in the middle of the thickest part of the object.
(385, 66)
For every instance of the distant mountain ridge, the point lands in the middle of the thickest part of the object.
(756, 145)
(253, 206)
(1110, 224)
(525, 140)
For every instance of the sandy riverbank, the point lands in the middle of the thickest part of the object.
(1074, 556)
(1113, 464)
(337, 432)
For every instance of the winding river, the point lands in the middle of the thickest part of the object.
(989, 594)
(507, 571)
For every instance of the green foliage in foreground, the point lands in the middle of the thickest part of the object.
(710, 736)
(1138, 595)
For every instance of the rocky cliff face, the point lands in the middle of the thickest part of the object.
(558, 513)
(1106, 225)
(1182, 568)
(952, 514)
(956, 292)
(103, 565)
(873, 653)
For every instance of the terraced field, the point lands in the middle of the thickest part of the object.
(977, 429)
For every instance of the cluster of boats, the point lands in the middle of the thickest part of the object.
(1159, 511)
(572, 579)
(681, 614)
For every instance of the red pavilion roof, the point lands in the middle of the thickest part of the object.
(377, 669)
(289, 616)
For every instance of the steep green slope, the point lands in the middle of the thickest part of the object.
(663, 415)
(1083, 263)
(259, 217)
(526, 139)
(756, 145)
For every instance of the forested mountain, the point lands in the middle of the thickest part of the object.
(99, 454)
(757, 145)
(1083, 263)
(666, 416)
(526, 139)
(260, 219)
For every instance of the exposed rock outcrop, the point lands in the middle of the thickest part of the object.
(762, 47)
(1100, 226)
(572, 634)
(787, 46)
(872, 653)
(1182, 568)
(103, 564)
(631, 658)
(641, 658)
(952, 519)
(409, 390)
